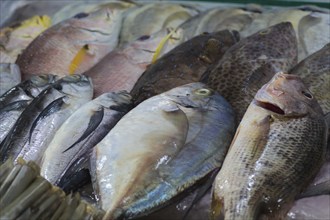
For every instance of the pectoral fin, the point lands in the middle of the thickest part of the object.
(316, 190)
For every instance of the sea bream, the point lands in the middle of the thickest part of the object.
(184, 64)
(73, 45)
(278, 148)
(41, 109)
(160, 148)
(251, 63)
(121, 68)
(80, 133)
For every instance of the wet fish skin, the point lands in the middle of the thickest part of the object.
(72, 46)
(252, 62)
(158, 16)
(10, 76)
(90, 124)
(123, 185)
(283, 123)
(315, 72)
(77, 90)
(121, 68)
(19, 134)
(15, 38)
(184, 64)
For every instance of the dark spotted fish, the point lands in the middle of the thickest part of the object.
(251, 63)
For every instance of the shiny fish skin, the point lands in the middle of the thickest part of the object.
(252, 62)
(157, 16)
(315, 72)
(81, 132)
(184, 64)
(10, 76)
(165, 129)
(278, 149)
(121, 68)
(55, 50)
(18, 136)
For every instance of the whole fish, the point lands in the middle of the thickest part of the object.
(160, 148)
(20, 134)
(41, 134)
(217, 19)
(278, 149)
(184, 64)
(15, 38)
(15, 100)
(151, 18)
(10, 76)
(252, 62)
(315, 72)
(121, 68)
(81, 132)
(72, 46)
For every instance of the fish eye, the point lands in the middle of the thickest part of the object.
(203, 92)
(307, 94)
(81, 15)
(144, 37)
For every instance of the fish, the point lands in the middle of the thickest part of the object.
(72, 46)
(81, 132)
(157, 16)
(20, 134)
(121, 68)
(251, 63)
(142, 172)
(283, 123)
(10, 76)
(184, 64)
(15, 38)
(70, 10)
(15, 100)
(315, 72)
(217, 19)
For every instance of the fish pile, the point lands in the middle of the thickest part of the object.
(164, 111)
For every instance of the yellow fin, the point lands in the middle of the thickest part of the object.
(77, 60)
(43, 21)
(161, 45)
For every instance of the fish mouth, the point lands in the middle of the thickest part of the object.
(270, 107)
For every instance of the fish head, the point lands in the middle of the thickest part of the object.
(287, 95)
(115, 100)
(76, 86)
(192, 95)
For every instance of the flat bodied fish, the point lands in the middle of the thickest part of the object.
(10, 76)
(72, 46)
(80, 133)
(184, 64)
(121, 68)
(15, 38)
(278, 148)
(20, 133)
(252, 62)
(160, 148)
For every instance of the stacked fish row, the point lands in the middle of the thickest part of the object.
(178, 133)
(26, 195)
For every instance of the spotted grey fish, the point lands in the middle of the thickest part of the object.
(278, 149)
(184, 64)
(252, 62)
(80, 133)
(10, 76)
(160, 148)
(20, 134)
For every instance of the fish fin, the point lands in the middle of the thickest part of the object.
(53, 107)
(316, 190)
(217, 207)
(93, 123)
(78, 59)
(161, 46)
(258, 78)
(201, 192)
